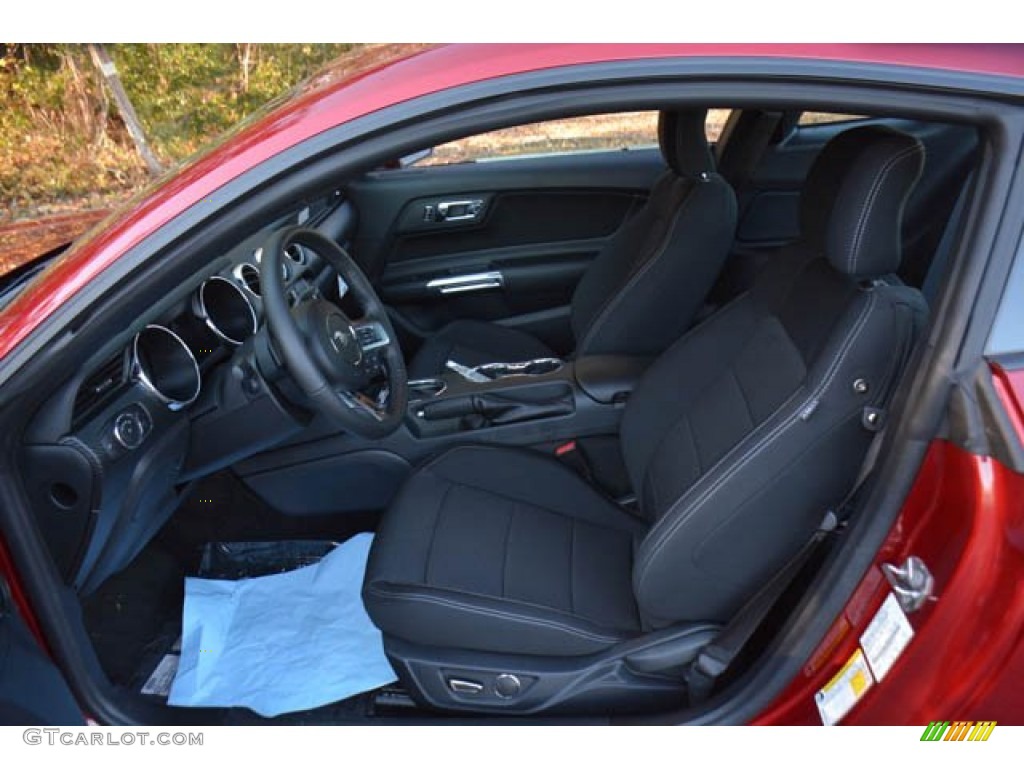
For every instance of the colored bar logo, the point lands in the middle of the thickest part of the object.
(961, 730)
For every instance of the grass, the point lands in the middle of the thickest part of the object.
(63, 146)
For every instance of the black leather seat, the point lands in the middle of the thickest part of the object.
(644, 288)
(495, 561)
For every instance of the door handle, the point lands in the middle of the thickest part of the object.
(454, 210)
(479, 281)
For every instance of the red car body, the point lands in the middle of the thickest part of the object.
(967, 657)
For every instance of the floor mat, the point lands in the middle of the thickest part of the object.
(247, 559)
(135, 615)
(286, 642)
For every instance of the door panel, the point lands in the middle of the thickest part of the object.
(769, 206)
(32, 691)
(504, 240)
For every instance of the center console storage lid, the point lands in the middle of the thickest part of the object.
(609, 378)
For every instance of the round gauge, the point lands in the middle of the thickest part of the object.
(164, 365)
(249, 276)
(225, 309)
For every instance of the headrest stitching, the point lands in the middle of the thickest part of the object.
(876, 187)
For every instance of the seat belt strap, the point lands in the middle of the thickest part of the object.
(716, 657)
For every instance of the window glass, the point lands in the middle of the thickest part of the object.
(620, 130)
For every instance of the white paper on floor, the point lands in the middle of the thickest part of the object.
(282, 643)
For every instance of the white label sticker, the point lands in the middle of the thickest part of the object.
(844, 690)
(886, 636)
(159, 683)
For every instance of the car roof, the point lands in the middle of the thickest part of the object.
(383, 76)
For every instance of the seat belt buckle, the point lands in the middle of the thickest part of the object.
(702, 675)
(570, 455)
(709, 664)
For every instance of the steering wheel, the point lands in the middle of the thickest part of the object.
(351, 370)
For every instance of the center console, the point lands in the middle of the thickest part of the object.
(563, 398)
(540, 403)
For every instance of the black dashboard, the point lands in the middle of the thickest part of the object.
(111, 454)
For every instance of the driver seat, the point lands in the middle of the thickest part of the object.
(503, 581)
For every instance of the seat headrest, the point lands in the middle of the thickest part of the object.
(684, 144)
(851, 208)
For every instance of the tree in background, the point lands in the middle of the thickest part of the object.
(108, 71)
(63, 144)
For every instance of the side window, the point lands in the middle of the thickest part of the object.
(591, 133)
(820, 118)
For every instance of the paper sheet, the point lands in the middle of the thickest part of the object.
(282, 643)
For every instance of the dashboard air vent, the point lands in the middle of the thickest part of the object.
(99, 386)
(250, 277)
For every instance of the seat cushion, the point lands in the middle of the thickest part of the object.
(503, 550)
(473, 342)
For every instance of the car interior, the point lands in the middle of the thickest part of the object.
(587, 402)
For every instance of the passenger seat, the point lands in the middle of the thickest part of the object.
(644, 288)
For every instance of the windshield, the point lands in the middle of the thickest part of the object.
(57, 184)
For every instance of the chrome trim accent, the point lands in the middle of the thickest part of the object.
(119, 433)
(428, 387)
(199, 309)
(239, 274)
(469, 374)
(912, 583)
(465, 687)
(257, 256)
(119, 428)
(501, 370)
(139, 375)
(296, 254)
(478, 281)
(472, 207)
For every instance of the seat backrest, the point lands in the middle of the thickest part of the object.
(751, 426)
(644, 288)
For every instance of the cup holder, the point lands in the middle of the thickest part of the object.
(538, 367)
(421, 389)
